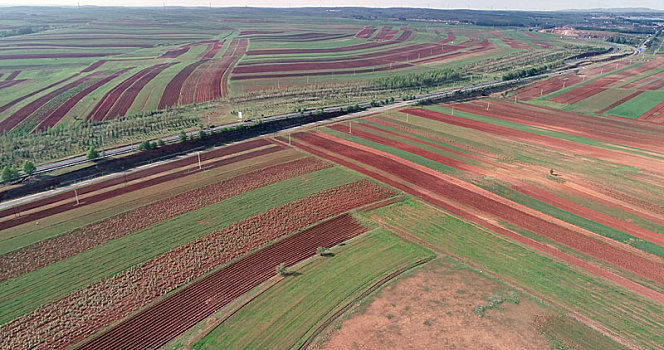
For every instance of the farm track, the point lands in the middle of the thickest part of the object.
(470, 196)
(225, 151)
(94, 66)
(54, 249)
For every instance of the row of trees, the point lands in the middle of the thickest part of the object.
(523, 73)
(10, 173)
(426, 79)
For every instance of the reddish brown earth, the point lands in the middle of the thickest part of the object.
(601, 84)
(623, 132)
(13, 75)
(619, 102)
(174, 87)
(365, 32)
(56, 55)
(614, 156)
(23, 113)
(13, 102)
(515, 44)
(411, 149)
(655, 115)
(10, 83)
(651, 83)
(433, 309)
(107, 102)
(94, 66)
(124, 102)
(214, 48)
(49, 251)
(10, 214)
(458, 197)
(57, 114)
(620, 225)
(403, 37)
(78, 315)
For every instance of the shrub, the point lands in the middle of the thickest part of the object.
(160, 142)
(183, 136)
(92, 154)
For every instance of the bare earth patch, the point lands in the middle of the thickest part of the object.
(433, 308)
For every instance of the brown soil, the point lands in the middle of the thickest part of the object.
(433, 309)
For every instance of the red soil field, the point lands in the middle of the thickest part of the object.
(9, 214)
(455, 195)
(176, 52)
(13, 75)
(54, 249)
(619, 102)
(515, 44)
(618, 157)
(213, 49)
(293, 75)
(383, 33)
(123, 103)
(9, 83)
(416, 52)
(548, 86)
(100, 111)
(94, 66)
(655, 115)
(403, 37)
(607, 130)
(173, 89)
(629, 228)
(155, 326)
(238, 52)
(138, 287)
(599, 85)
(57, 114)
(411, 149)
(12, 103)
(187, 90)
(23, 113)
(651, 83)
(365, 33)
(435, 30)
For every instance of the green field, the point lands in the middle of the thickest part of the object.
(287, 314)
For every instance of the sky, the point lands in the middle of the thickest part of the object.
(440, 4)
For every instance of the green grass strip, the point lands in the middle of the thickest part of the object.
(543, 132)
(288, 313)
(391, 150)
(574, 219)
(636, 318)
(28, 292)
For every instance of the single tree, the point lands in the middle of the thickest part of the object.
(29, 167)
(9, 174)
(183, 136)
(92, 154)
(160, 143)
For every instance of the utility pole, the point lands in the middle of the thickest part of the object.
(199, 160)
(76, 195)
(487, 105)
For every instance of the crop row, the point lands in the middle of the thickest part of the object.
(80, 314)
(46, 252)
(136, 175)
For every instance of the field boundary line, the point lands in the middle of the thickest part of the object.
(364, 294)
